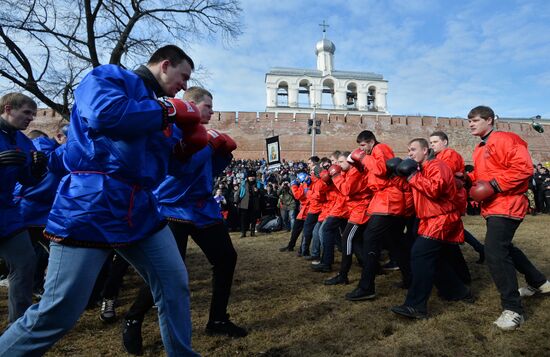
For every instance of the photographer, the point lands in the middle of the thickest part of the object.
(287, 206)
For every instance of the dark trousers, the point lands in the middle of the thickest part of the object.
(296, 231)
(309, 224)
(119, 267)
(379, 229)
(331, 234)
(456, 259)
(248, 221)
(503, 259)
(402, 250)
(216, 244)
(352, 242)
(543, 207)
(472, 241)
(41, 250)
(429, 264)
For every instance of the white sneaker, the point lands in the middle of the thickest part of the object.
(509, 320)
(530, 291)
(5, 283)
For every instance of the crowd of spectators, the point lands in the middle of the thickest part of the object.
(250, 192)
(270, 195)
(539, 190)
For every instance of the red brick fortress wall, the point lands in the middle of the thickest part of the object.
(338, 132)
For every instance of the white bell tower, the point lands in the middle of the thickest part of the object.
(324, 50)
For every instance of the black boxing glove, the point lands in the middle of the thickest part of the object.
(391, 166)
(39, 164)
(407, 168)
(13, 158)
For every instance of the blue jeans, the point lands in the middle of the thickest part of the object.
(288, 216)
(316, 243)
(18, 253)
(71, 274)
(307, 235)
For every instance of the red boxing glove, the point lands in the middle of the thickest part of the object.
(220, 142)
(215, 139)
(325, 176)
(334, 170)
(481, 190)
(183, 114)
(193, 141)
(356, 159)
(230, 144)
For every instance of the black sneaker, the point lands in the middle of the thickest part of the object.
(226, 328)
(108, 312)
(131, 337)
(359, 294)
(285, 249)
(409, 312)
(322, 268)
(337, 280)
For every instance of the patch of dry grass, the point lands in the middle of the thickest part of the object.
(290, 313)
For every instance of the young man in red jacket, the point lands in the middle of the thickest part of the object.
(337, 214)
(386, 209)
(440, 228)
(351, 183)
(502, 168)
(439, 142)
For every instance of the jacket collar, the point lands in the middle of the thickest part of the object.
(7, 128)
(485, 138)
(150, 81)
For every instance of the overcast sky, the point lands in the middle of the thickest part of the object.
(440, 57)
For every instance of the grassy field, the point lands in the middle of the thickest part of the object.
(290, 313)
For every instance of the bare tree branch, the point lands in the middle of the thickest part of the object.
(46, 46)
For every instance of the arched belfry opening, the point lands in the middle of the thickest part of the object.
(371, 98)
(304, 94)
(327, 95)
(282, 94)
(351, 96)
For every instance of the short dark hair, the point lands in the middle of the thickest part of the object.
(441, 135)
(315, 159)
(423, 142)
(16, 101)
(172, 53)
(325, 160)
(345, 153)
(483, 112)
(336, 153)
(196, 94)
(365, 135)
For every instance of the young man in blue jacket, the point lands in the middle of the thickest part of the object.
(187, 203)
(19, 162)
(117, 153)
(35, 202)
